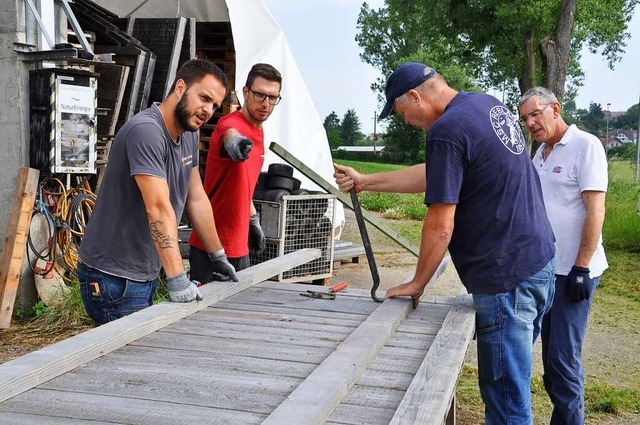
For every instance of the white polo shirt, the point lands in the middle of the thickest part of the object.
(576, 163)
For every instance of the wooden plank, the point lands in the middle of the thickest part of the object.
(292, 299)
(188, 50)
(132, 355)
(268, 320)
(333, 316)
(357, 415)
(311, 336)
(262, 349)
(120, 410)
(385, 398)
(111, 87)
(29, 419)
(345, 199)
(164, 38)
(15, 240)
(316, 398)
(21, 374)
(174, 60)
(428, 398)
(180, 384)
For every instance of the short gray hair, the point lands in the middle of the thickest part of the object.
(545, 95)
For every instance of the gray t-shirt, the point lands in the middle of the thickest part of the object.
(117, 240)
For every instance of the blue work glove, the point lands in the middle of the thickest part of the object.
(182, 290)
(220, 267)
(578, 284)
(238, 147)
(257, 241)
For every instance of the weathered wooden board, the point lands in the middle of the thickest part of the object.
(263, 355)
(164, 38)
(120, 410)
(15, 241)
(440, 369)
(35, 368)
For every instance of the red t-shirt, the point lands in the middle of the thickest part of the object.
(230, 185)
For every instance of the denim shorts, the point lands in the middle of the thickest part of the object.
(107, 297)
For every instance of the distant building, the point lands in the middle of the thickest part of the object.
(622, 137)
(362, 149)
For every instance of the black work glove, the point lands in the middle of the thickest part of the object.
(578, 284)
(238, 147)
(220, 267)
(182, 290)
(257, 241)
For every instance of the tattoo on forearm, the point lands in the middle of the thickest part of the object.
(159, 237)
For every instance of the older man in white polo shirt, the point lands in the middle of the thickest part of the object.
(572, 166)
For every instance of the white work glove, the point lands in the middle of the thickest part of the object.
(181, 289)
(238, 147)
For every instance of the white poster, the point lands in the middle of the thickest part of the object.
(75, 133)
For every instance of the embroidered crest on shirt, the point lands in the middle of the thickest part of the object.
(557, 169)
(507, 129)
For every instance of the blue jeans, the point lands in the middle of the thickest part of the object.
(107, 297)
(507, 325)
(563, 331)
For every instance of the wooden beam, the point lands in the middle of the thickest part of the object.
(315, 399)
(345, 199)
(28, 371)
(174, 60)
(429, 397)
(15, 240)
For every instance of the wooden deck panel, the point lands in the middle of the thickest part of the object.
(262, 355)
(386, 380)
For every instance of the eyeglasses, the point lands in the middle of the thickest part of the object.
(260, 97)
(534, 114)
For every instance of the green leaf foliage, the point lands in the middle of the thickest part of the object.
(495, 43)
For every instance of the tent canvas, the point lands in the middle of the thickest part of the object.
(295, 123)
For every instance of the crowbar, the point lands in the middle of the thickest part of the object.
(328, 295)
(367, 244)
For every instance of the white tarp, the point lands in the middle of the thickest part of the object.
(295, 123)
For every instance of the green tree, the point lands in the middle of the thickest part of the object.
(626, 151)
(592, 120)
(404, 142)
(502, 43)
(332, 127)
(350, 134)
(628, 120)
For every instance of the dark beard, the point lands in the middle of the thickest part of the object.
(183, 115)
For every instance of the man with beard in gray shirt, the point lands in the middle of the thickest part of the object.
(152, 176)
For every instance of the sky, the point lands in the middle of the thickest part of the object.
(321, 35)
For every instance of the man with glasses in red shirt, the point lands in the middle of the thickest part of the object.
(234, 161)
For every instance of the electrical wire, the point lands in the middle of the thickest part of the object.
(48, 252)
(71, 210)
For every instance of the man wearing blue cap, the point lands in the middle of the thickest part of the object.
(486, 207)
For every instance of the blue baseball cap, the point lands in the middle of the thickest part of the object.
(407, 77)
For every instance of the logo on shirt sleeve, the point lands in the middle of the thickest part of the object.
(187, 160)
(507, 129)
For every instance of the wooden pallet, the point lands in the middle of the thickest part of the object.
(347, 252)
(252, 353)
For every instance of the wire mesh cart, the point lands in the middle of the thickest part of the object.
(296, 222)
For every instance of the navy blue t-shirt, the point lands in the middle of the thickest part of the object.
(476, 158)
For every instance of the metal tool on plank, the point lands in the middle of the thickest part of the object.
(330, 294)
(357, 209)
